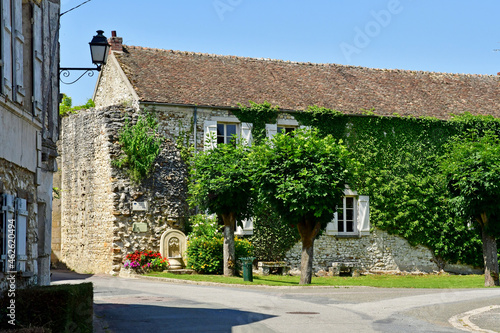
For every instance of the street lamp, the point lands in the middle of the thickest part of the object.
(99, 49)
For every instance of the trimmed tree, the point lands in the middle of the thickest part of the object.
(471, 166)
(303, 177)
(221, 185)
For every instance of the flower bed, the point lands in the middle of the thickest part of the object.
(145, 261)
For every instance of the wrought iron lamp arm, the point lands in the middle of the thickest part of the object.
(65, 71)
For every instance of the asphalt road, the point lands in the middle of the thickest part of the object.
(151, 305)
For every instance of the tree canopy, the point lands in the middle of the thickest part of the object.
(302, 176)
(221, 185)
(471, 165)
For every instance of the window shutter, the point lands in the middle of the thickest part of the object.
(332, 228)
(6, 49)
(210, 134)
(21, 221)
(18, 50)
(37, 60)
(271, 130)
(8, 215)
(246, 133)
(364, 215)
(247, 228)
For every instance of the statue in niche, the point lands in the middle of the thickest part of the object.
(173, 248)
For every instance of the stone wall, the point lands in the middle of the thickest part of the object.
(378, 252)
(97, 215)
(113, 87)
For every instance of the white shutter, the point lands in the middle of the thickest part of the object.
(21, 221)
(18, 50)
(210, 136)
(247, 228)
(332, 228)
(246, 133)
(8, 215)
(271, 130)
(305, 127)
(6, 49)
(37, 60)
(364, 215)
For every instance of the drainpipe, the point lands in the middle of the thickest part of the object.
(195, 121)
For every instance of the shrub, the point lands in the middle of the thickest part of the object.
(144, 261)
(205, 255)
(140, 145)
(57, 308)
(205, 245)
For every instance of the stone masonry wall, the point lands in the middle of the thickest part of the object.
(86, 198)
(97, 224)
(378, 252)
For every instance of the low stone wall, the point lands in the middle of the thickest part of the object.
(378, 252)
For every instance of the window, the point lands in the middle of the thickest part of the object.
(286, 130)
(352, 218)
(225, 132)
(218, 132)
(346, 216)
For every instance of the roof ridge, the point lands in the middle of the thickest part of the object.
(232, 57)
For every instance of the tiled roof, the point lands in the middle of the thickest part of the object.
(203, 79)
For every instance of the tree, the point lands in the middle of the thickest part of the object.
(471, 166)
(221, 185)
(303, 177)
(65, 107)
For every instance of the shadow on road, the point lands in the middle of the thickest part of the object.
(152, 318)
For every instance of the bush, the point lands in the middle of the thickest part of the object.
(205, 246)
(205, 255)
(57, 308)
(144, 261)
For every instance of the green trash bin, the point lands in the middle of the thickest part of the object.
(247, 268)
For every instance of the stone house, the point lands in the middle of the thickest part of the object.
(28, 134)
(194, 93)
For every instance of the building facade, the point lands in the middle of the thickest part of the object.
(29, 122)
(194, 94)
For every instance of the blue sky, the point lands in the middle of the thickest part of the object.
(456, 36)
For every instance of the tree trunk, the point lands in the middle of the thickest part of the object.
(229, 252)
(490, 260)
(308, 229)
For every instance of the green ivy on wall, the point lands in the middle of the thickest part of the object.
(400, 172)
(140, 145)
(259, 115)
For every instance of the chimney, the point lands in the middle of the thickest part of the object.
(115, 42)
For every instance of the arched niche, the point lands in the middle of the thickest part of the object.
(173, 244)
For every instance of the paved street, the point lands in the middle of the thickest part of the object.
(151, 305)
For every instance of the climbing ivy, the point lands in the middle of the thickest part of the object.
(400, 156)
(259, 115)
(140, 145)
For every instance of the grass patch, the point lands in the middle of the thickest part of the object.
(443, 281)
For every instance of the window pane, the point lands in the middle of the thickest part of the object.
(230, 130)
(349, 202)
(350, 226)
(341, 226)
(220, 129)
(349, 214)
(281, 129)
(220, 139)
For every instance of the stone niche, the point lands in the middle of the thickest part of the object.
(173, 244)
